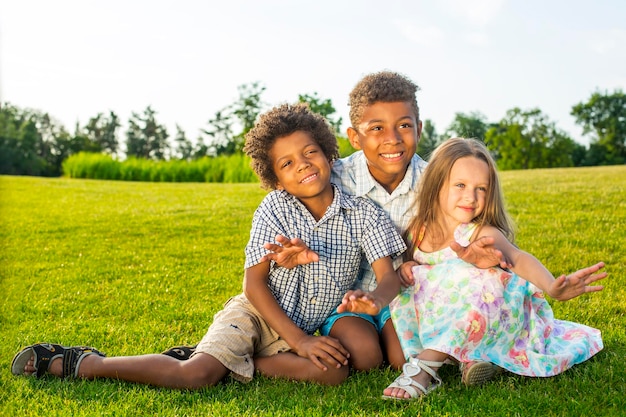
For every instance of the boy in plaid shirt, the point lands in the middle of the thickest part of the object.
(270, 326)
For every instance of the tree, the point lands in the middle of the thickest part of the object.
(473, 125)
(184, 148)
(604, 115)
(244, 111)
(102, 131)
(145, 138)
(221, 132)
(19, 142)
(527, 139)
(247, 109)
(324, 108)
(429, 140)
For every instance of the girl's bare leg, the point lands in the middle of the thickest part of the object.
(392, 347)
(423, 377)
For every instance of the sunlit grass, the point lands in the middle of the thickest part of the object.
(138, 267)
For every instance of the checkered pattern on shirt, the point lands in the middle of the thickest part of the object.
(353, 177)
(350, 229)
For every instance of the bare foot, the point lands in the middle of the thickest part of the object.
(422, 378)
(55, 368)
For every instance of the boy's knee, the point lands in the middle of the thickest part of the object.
(366, 359)
(207, 372)
(365, 353)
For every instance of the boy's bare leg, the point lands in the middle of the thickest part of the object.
(362, 341)
(288, 365)
(392, 347)
(200, 371)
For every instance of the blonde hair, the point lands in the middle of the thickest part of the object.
(427, 205)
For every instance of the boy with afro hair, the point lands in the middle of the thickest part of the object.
(270, 326)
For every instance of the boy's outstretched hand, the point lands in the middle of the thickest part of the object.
(481, 253)
(567, 287)
(289, 253)
(358, 301)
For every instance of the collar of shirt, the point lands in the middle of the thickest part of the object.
(340, 201)
(409, 182)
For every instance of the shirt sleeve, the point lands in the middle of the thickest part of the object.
(380, 237)
(265, 227)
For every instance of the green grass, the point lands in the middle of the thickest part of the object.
(135, 268)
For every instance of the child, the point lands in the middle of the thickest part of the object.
(270, 326)
(386, 129)
(458, 311)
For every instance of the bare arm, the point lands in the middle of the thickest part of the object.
(372, 302)
(528, 267)
(315, 348)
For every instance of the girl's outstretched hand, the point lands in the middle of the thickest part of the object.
(567, 287)
(358, 301)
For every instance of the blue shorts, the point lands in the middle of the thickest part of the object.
(378, 321)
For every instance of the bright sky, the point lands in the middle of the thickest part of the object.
(75, 59)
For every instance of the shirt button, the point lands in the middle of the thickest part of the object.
(313, 300)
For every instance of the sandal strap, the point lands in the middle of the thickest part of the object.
(44, 354)
(73, 356)
(412, 368)
(408, 384)
(415, 365)
(180, 352)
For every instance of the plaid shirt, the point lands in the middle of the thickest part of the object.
(353, 177)
(350, 228)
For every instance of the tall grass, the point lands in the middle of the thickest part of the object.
(136, 268)
(230, 169)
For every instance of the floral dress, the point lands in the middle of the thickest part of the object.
(486, 314)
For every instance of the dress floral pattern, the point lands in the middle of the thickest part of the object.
(486, 314)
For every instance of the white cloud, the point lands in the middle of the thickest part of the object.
(425, 35)
(477, 39)
(475, 12)
(607, 41)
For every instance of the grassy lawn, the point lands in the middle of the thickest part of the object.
(134, 268)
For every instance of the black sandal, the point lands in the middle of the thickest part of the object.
(182, 353)
(45, 353)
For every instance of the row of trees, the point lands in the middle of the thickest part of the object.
(525, 139)
(34, 143)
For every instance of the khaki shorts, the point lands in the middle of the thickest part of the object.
(238, 334)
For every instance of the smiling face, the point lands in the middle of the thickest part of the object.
(463, 195)
(388, 135)
(303, 170)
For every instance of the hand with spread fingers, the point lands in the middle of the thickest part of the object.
(289, 253)
(567, 287)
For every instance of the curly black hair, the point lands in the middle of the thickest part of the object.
(281, 121)
(384, 86)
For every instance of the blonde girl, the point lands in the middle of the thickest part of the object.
(457, 312)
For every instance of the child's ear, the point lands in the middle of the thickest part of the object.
(353, 137)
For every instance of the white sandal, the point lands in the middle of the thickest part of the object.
(405, 381)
